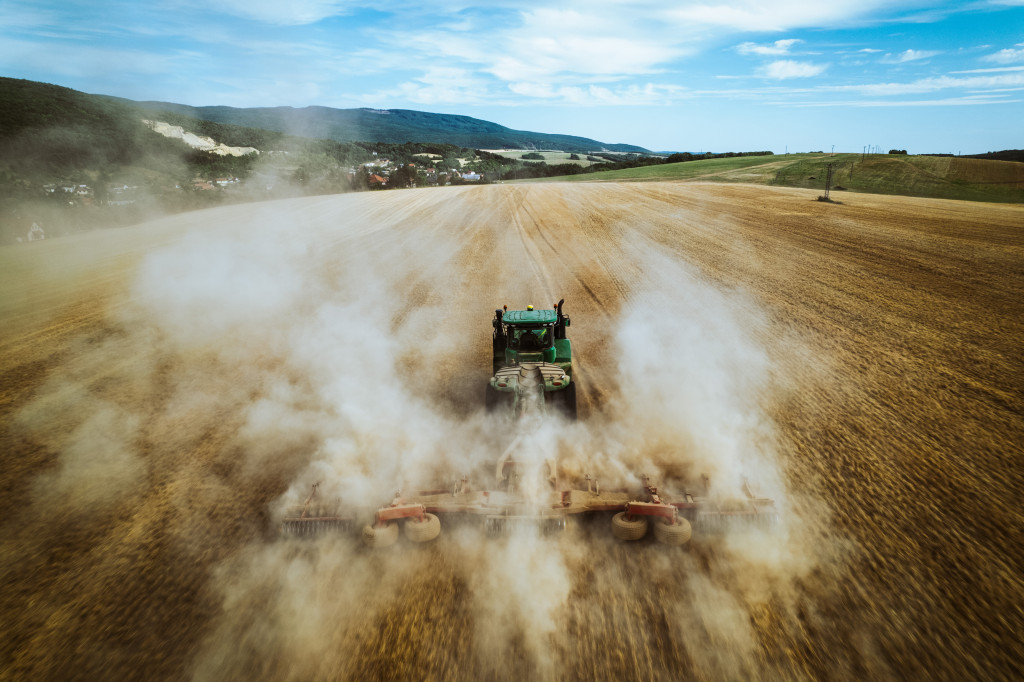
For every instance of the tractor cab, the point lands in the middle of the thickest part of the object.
(531, 335)
(532, 339)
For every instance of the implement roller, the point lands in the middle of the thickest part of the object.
(498, 512)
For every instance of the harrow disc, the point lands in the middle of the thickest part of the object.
(312, 528)
(713, 523)
(498, 525)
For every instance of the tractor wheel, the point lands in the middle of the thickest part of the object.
(380, 536)
(423, 531)
(624, 529)
(675, 534)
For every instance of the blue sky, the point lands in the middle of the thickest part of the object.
(733, 75)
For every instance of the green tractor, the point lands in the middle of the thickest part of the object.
(532, 363)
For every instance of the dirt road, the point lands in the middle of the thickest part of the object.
(165, 388)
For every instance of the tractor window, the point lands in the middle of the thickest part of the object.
(532, 339)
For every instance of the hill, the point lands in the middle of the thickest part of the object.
(924, 176)
(389, 125)
(62, 152)
(48, 131)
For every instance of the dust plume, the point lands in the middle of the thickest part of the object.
(692, 380)
(252, 361)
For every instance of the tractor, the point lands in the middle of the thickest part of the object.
(532, 363)
(533, 376)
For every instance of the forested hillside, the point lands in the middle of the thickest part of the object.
(391, 126)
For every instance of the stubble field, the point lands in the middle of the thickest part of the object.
(165, 389)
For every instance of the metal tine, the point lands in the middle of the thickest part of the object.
(506, 525)
(713, 523)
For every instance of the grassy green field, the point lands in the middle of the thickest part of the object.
(923, 176)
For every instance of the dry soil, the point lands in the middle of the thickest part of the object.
(137, 530)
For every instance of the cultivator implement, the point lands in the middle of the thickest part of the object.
(504, 512)
(533, 380)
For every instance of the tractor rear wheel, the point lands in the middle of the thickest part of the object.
(423, 531)
(674, 534)
(376, 537)
(626, 529)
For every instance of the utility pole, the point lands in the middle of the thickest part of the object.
(828, 180)
(833, 151)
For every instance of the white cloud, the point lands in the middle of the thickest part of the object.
(787, 68)
(618, 52)
(541, 57)
(632, 95)
(1005, 80)
(578, 44)
(15, 15)
(290, 13)
(779, 47)
(998, 69)
(909, 56)
(550, 42)
(1007, 56)
(438, 85)
(775, 15)
(74, 60)
(944, 102)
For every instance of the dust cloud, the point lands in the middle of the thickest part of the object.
(285, 355)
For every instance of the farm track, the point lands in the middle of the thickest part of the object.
(893, 328)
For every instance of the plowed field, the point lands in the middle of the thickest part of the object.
(166, 388)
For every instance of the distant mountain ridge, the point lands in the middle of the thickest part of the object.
(387, 125)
